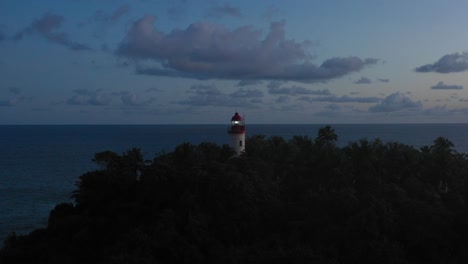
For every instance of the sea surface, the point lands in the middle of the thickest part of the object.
(39, 165)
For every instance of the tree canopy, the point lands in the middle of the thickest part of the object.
(298, 200)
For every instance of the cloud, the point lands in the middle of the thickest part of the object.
(448, 63)
(248, 82)
(204, 90)
(209, 95)
(384, 80)
(86, 97)
(223, 10)
(333, 107)
(438, 111)
(246, 93)
(101, 16)
(153, 89)
(282, 99)
(336, 111)
(14, 90)
(103, 20)
(131, 99)
(12, 101)
(119, 12)
(443, 86)
(396, 102)
(340, 99)
(289, 108)
(9, 102)
(15, 97)
(274, 84)
(47, 27)
(210, 51)
(297, 90)
(363, 80)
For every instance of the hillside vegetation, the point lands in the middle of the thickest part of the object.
(300, 200)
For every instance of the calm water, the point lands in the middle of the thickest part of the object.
(40, 164)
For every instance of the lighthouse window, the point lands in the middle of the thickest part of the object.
(240, 143)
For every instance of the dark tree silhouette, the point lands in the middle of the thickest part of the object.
(297, 200)
(326, 135)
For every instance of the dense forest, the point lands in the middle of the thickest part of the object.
(297, 200)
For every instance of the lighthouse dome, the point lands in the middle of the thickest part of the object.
(236, 117)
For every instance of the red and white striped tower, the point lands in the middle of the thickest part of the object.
(237, 134)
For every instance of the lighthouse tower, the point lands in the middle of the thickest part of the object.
(237, 134)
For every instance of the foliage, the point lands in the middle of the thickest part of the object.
(300, 200)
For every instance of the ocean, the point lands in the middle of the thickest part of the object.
(39, 165)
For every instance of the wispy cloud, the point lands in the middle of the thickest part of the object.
(9, 102)
(153, 89)
(119, 12)
(333, 107)
(133, 100)
(223, 10)
(297, 90)
(248, 82)
(246, 93)
(443, 86)
(87, 97)
(363, 80)
(47, 26)
(437, 111)
(105, 16)
(210, 51)
(14, 98)
(340, 99)
(209, 95)
(282, 99)
(14, 90)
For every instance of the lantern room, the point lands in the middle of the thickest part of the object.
(237, 125)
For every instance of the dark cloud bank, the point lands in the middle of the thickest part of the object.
(205, 51)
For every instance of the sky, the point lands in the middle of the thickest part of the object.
(199, 62)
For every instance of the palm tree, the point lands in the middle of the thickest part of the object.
(442, 146)
(442, 159)
(326, 136)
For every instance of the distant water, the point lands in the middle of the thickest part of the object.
(40, 164)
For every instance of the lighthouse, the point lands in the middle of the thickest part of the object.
(237, 134)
